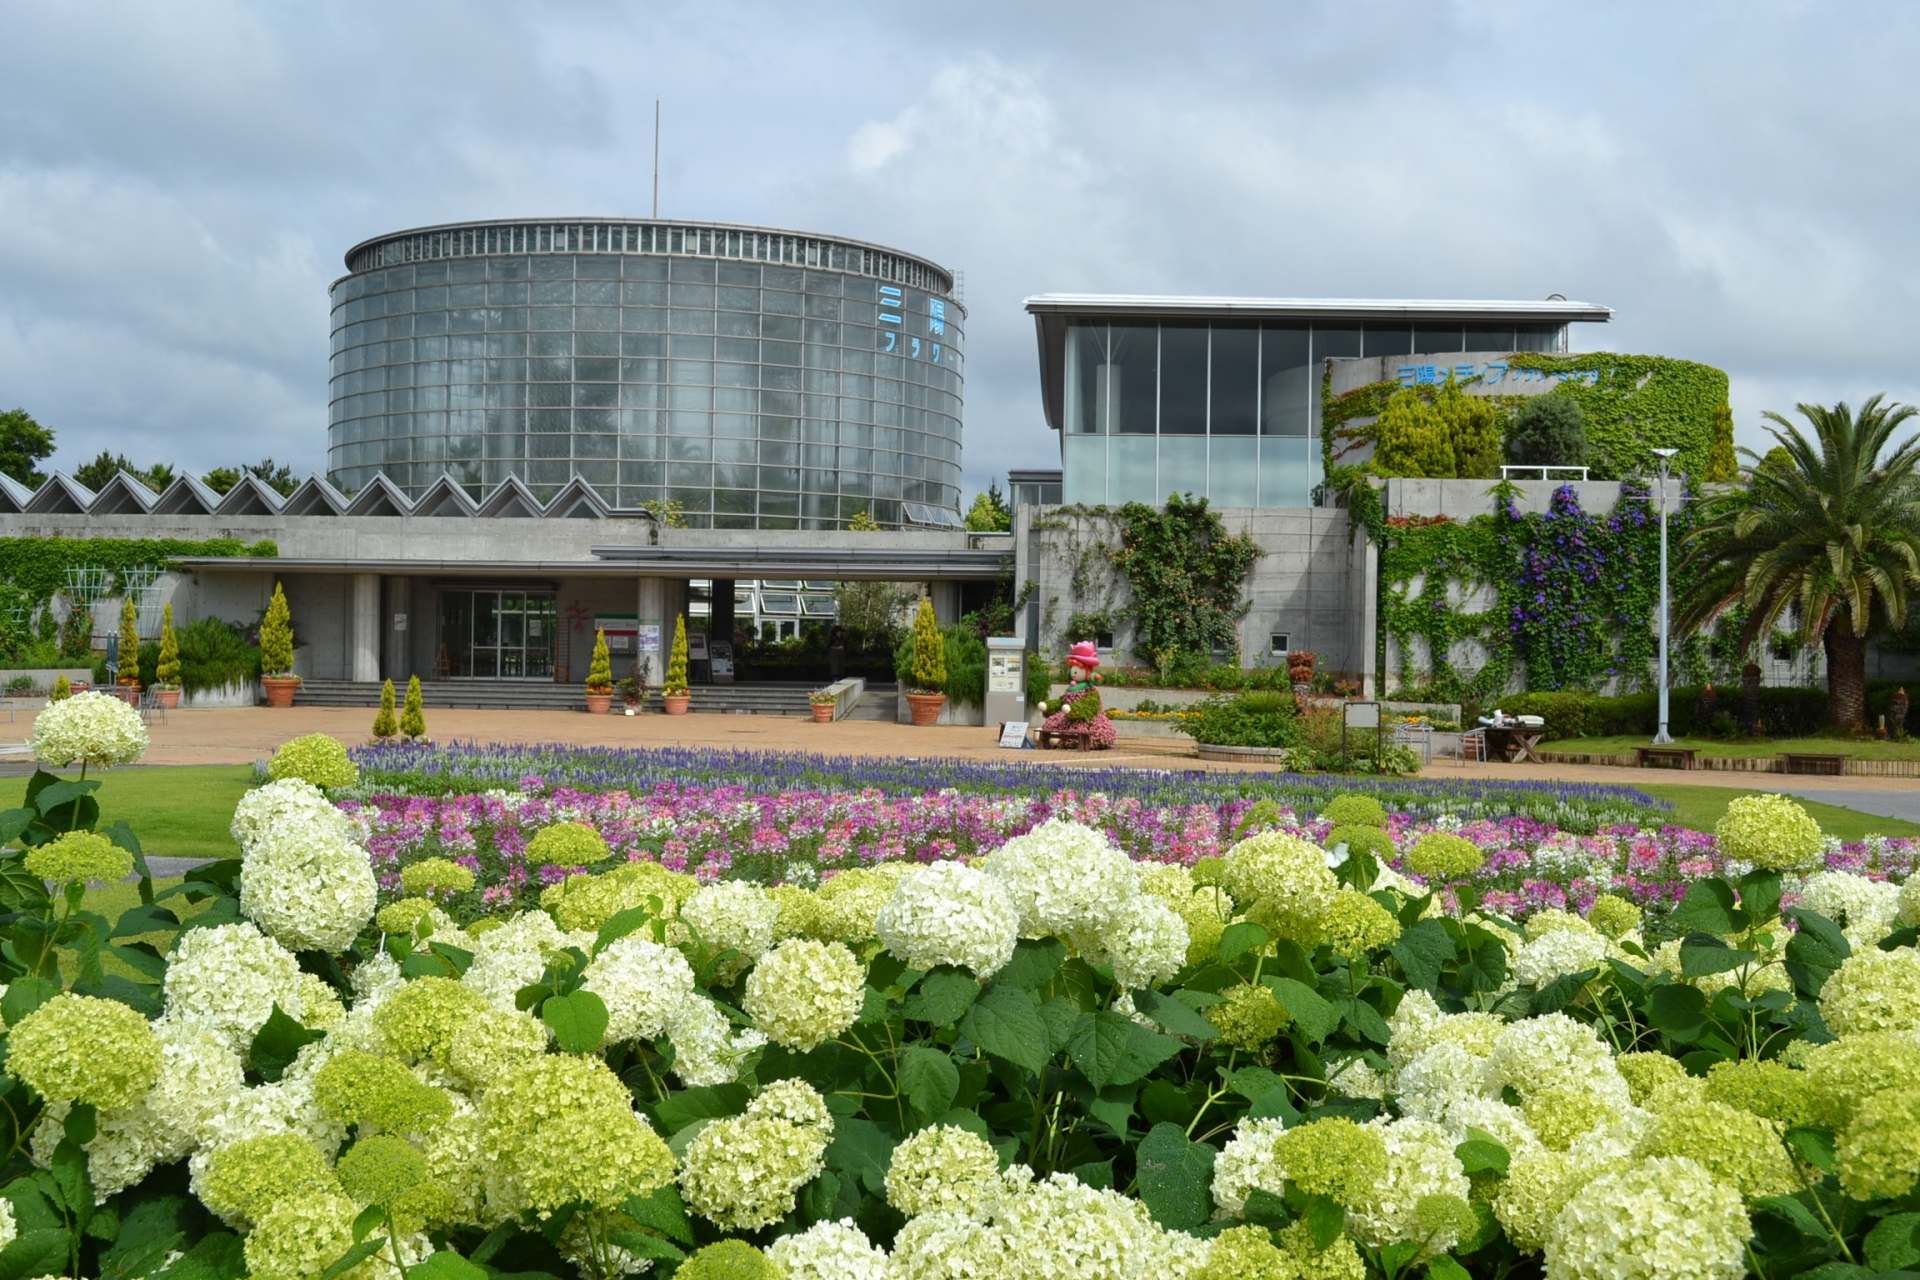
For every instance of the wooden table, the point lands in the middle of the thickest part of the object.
(1665, 757)
(1066, 739)
(1515, 743)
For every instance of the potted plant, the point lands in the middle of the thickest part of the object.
(630, 693)
(166, 670)
(600, 677)
(129, 675)
(927, 695)
(674, 693)
(276, 651)
(822, 702)
(1300, 671)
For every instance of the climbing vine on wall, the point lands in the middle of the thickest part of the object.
(1186, 575)
(38, 566)
(1575, 593)
(1632, 404)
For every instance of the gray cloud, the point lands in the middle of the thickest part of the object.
(177, 184)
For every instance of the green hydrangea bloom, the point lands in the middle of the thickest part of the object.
(1736, 1147)
(424, 1018)
(1333, 1157)
(316, 758)
(1439, 855)
(799, 912)
(1209, 870)
(567, 844)
(562, 1129)
(1647, 1072)
(1768, 1089)
(301, 1237)
(1873, 991)
(848, 905)
(403, 916)
(1203, 911)
(436, 875)
(1562, 1112)
(1614, 915)
(85, 1049)
(1249, 1016)
(378, 1093)
(393, 1173)
(1355, 809)
(1246, 1253)
(1285, 871)
(1356, 925)
(1845, 1072)
(729, 1260)
(1879, 1152)
(82, 857)
(1368, 840)
(584, 903)
(246, 1179)
(495, 1043)
(1771, 832)
(1340, 1260)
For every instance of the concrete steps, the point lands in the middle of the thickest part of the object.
(782, 699)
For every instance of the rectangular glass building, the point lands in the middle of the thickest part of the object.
(1221, 396)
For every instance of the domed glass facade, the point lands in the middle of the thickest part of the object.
(757, 378)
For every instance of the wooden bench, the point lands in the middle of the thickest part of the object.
(1066, 739)
(1812, 762)
(1665, 757)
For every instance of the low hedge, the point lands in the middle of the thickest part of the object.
(1784, 712)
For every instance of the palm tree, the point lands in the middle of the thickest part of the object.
(1829, 532)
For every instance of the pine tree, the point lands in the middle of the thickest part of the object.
(675, 685)
(276, 637)
(413, 715)
(384, 723)
(166, 671)
(929, 651)
(129, 643)
(62, 689)
(600, 670)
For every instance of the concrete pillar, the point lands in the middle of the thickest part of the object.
(397, 629)
(946, 601)
(650, 605)
(364, 644)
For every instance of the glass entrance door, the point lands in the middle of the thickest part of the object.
(498, 635)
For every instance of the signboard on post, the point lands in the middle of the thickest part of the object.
(646, 637)
(1004, 672)
(696, 646)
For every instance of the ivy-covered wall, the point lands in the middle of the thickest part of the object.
(38, 566)
(1561, 599)
(1632, 405)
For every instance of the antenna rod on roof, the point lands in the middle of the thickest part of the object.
(656, 158)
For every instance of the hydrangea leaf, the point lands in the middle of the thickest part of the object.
(578, 1021)
(1174, 1175)
(943, 996)
(1313, 1016)
(1708, 907)
(1894, 1243)
(1174, 1016)
(354, 1257)
(445, 1265)
(1034, 962)
(1005, 1022)
(41, 1252)
(929, 1079)
(861, 1149)
(1111, 1048)
(1421, 950)
(277, 1043)
(1238, 939)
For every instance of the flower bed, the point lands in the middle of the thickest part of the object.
(1053, 1061)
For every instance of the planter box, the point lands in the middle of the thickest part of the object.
(951, 713)
(1272, 755)
(245, 694)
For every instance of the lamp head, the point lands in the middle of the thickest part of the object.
(1665, 455)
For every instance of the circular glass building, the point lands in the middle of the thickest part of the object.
(757, 378)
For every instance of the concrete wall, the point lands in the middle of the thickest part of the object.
(1304, 584)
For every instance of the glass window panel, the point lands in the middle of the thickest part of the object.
(1183, 466)
(1232, 477)
(1489, 337)
(1437, 339)
(1235, 379)
(1086, 364)
(1133, 359)
(1388, 340)
(1130, 471)
(1286, 382)
(1287, 472)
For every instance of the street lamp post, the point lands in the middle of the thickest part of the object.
(1662, 737)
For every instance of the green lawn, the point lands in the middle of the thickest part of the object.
(1701, 807)
(178, 812)
(1856, 748)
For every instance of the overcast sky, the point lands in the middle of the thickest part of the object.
(179, 181)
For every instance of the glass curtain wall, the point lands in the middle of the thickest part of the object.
(1228, 411)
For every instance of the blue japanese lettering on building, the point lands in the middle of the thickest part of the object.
(937, 318)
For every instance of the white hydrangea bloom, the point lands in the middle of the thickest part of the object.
(733, 915)
(940, 1246)
(1420, 1163)
(199, 1071)
(1064, 1228)
(1909, 913)
(293, 802)
(1247, 1163)
(1145, 942)
(829, 1251)
(1663, 1217)
(128, 1142)
(88, 728)
(9, 1230)
(1490, 1116)
(1555, 1050)
(513, 955)
(308, 888)
(1557, 955)
(1436, 1079)
(1357, 1079)
(286, 1107)
(1063, 878)
(643, 984)
(707, 1050)
(228, 977)
(1865, 910)
(805, 992)
(950, 913)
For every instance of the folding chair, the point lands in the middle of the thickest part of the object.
(1473, 746)
(151, 707)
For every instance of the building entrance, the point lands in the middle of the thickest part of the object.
(496, 634)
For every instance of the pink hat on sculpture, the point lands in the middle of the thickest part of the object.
(1084, 655)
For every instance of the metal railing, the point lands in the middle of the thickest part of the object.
(1564, 473)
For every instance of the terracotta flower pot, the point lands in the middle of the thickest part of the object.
(822, 712)
(168, 699)
(925, 707)
(675, 703)
(598, 704)
(280, 689)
